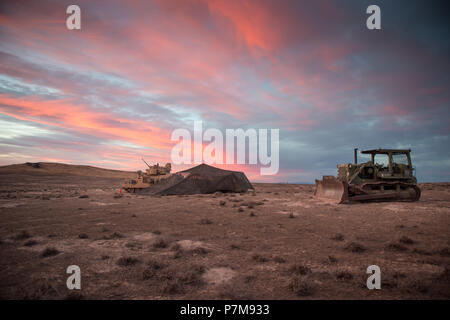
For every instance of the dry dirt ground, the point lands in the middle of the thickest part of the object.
(275, 243)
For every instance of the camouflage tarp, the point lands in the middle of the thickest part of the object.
(202, 179)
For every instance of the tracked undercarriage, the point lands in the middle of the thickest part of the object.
(388, 179)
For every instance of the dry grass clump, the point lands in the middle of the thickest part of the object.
(302, 287)
(160, 244)
(344, 275)
(396, 247)
(279, 259)
(30, 243)
(127, 261)
(22, 235)
(406, 240)
(115, 235)
(332, 259)
(299, 269)
(174, 282)
(338, 237)
(259, 258)
(205, 221)
(49, 251)
(355, 247)
(153, 267)
(422, 252)
(445, 252)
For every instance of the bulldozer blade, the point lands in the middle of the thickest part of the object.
(331, 189)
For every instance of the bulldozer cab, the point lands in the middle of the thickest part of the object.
(391, 162)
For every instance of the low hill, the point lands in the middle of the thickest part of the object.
(50, 168)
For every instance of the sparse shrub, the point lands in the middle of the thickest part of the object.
(344, 275)
(396, 247)
(83, 236)
(259, 258)
(115, 235)
(200, 251)
(299, 269)
(338, 237)
(152, 269)
(49, 251)
(279, 260)
(445, 252)
(160, 244)
(302, 287)
(22, 235)
(422, 252)
(418, 286)
(355, 247)
(127, 261)
(406, 240)
(30, 243)
(205, 221)
(332, 259)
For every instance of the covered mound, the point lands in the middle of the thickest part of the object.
(201, 179)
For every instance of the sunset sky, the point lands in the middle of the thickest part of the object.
(114, 91)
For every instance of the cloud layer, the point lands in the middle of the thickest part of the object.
(114, 91)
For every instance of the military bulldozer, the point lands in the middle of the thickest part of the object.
(153, 175)
(388, 176)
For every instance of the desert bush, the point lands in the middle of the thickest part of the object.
(279, 259)
(396, 247)
(205, 221)
(115, 235)
(445, 252)
(30, 243)
(160, 244)
(332, 259)
(422, 252)
(302, 287)
(406, 240)
(299, 269)
(259, 258)
(338, 237)
(355, 247)
(344, 275)
(49, 251)
(126, 261)
(22, 235)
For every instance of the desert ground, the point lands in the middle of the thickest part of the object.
(276, 242)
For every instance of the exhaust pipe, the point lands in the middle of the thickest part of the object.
(356, 155)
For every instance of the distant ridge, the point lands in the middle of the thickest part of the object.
(54, 168)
